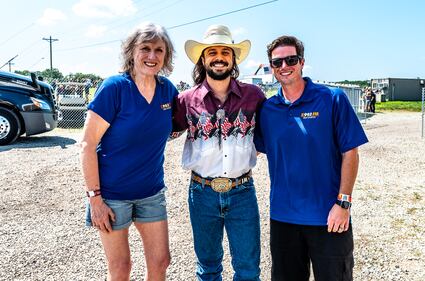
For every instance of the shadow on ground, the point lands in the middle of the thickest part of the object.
(39, 141)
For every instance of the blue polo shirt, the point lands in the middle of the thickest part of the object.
(131, 152)
(304, 142)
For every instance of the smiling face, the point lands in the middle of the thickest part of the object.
(149, 57)
(286, 74)
(218, 62)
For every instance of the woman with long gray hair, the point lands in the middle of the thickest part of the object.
(122, 153)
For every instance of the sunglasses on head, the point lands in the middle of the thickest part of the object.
(289, 61)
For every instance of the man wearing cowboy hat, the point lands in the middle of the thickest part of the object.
(219, 116)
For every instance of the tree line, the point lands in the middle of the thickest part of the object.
(361, 83)
(54, 74)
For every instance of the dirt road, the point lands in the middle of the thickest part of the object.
(42, 233)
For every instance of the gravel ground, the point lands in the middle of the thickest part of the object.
(42, 233)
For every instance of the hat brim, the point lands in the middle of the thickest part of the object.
(194, 49)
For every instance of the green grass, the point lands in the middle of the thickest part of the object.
(270, 93)
(91, 93)
(414, 106)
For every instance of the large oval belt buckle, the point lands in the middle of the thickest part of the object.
(221, 184)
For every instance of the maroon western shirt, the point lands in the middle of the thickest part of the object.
(219, 136)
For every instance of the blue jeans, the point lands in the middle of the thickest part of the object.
(237, 212)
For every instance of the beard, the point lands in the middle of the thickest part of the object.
(218, 76)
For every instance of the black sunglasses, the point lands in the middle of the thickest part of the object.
(289, 61)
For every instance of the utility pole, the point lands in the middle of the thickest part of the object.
(9, 62)
(50, 41)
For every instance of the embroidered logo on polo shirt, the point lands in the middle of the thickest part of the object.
(309, 115)
(166, 106)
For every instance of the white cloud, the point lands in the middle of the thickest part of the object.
(95, 31)
(238, 31)
(252, 64)
(51, 16)
(104, 8)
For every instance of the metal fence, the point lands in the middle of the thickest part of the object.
(71, 100)
(354, 94)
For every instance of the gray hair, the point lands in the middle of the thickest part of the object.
(147, 32)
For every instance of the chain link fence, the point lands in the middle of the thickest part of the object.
(71, 99)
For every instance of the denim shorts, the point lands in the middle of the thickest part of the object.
(150, 209)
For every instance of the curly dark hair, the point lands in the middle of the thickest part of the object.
(199, 72)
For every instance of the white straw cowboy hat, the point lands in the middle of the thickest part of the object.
(217, 35)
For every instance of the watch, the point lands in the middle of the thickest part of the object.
(343, 204)
(93, 193)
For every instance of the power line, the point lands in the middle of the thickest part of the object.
(16, 34)
(9, 62)
(117, 23)
(176, 26)
(31, 45)
(34, 64)
(220, 15)
(92, 45)
(148, 14)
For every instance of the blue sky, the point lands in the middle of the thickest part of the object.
(353, 40)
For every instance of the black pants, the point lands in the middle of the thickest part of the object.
(294, 246)
(372, 106)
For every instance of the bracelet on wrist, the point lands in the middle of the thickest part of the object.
(344, 197)
(93, 193)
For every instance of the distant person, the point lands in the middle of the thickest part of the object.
(363, 99)
(219, 114)
(372, 101)
(53, 84)
(122, 153)
(310, 134)
(87, 85)
(368, 99)
(61, 89)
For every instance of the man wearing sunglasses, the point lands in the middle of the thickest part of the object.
(310, 134)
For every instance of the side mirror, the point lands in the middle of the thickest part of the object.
(34, 81)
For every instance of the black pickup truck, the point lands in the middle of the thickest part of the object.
(26, 107)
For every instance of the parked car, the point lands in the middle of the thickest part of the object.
(71, 101)
(26, 107)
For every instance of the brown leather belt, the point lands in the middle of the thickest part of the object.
(222, 184)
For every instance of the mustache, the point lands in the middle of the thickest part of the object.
(219, 62)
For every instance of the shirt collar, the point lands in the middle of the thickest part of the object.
(158, 78)
(307, 95)
(205, 88)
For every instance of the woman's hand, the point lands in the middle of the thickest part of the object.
(101, 214)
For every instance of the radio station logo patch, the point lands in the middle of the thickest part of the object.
(166, 106)
(309, 115)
